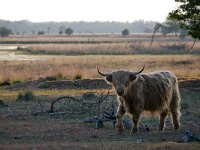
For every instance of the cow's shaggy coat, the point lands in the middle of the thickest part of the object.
(154, 92)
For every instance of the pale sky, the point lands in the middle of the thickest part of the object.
(86, 10)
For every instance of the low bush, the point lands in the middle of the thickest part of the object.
(25, 96)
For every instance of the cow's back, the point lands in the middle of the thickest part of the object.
(157, 89)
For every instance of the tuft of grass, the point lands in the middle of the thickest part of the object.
(26, 96)
(78, 76)
(58, 76)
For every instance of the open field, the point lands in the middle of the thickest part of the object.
(48, 67)
(98, 44)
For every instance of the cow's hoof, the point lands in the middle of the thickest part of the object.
(160, 128)
(120, 130)
(133, 131)
(176, 127)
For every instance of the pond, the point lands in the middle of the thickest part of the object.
(8, 47)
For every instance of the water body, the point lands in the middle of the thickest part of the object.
(8, 47)
(9, 53)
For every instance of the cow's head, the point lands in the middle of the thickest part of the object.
(121, 79)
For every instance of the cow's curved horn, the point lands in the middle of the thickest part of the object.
(103, 74)
(140, 70)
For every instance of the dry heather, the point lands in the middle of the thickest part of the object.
(69, 66)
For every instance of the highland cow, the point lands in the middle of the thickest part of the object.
(156, 92)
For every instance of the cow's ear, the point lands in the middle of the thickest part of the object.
(132, 77)
(109, 78)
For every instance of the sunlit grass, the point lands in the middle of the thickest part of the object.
(70, 66)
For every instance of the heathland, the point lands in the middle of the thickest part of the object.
(37, 69)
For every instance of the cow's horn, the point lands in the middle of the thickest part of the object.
(103, 74)
(140, 70)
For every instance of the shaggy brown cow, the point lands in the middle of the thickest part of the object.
(156, 92)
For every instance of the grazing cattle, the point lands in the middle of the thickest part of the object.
(156, 92)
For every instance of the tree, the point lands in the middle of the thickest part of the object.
(61, 29)
(125, 32)
(69, 31)
(48, 29)
(41, 32)
(4, 32)
(173, 26)
(188, 16)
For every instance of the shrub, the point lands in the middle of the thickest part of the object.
(26, 96)
(50, 78)
(125, 32)
(69, 31)
(60, 76)
(78, 76)
(41, 32)
(4, 32)
(16, 82)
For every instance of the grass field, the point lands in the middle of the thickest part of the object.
(68, 67)
(74, 57)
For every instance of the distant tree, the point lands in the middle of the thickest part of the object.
(183, 34)
(188, 16)
(62, 29)
(69, 31)
(173, 26)
(125, 32)
(147, 30)
(41, 32)
(60, 32)
(33, 32)
(4, 32)
(48, 30)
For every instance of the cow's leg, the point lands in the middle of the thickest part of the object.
(163, 115)
(175, 108)
(119, 115)
(175, 117)
(135, 119)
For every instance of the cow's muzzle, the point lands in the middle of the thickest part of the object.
(120, 92)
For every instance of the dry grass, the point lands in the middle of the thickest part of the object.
(115, 44)
(70, 66)
(82, 38)
(79, 49)
(115, 48)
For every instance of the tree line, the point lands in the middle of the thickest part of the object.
(27, 27)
